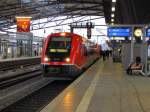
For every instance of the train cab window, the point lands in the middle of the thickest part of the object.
(60, 42)
(59, 48)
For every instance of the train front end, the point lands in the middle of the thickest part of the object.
(56, 55)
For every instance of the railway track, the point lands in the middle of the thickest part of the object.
(31, 95)
(17, 64)
(22, 77)
(18, 74)
(14, 87)
(37, 100)
(15, 92)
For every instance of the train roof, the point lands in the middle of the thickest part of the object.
(70, 34)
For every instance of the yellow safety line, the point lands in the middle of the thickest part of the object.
(84, 104)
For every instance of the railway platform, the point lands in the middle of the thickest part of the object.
(104, 87)
(19, 58)
(12, 63)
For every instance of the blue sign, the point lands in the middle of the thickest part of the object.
(119, 32)
(148, 32)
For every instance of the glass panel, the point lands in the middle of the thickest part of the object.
(59, 48)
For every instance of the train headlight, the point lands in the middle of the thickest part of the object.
(46, 59)
(67, 59)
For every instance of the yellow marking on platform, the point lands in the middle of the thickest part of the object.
(84, 104)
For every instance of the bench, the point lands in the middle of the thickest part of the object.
(140, 71)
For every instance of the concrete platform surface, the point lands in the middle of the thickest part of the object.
(104, 87)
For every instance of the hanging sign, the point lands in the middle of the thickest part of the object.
(23, 24)
(119, 32)
(148, 32)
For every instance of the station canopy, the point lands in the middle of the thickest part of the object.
(50, 9)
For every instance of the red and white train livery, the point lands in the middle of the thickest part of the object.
(67, 54)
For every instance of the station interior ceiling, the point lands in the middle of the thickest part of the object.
(127, 11)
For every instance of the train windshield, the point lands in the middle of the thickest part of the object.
(59, 48)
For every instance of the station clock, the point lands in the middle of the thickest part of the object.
(137, 32)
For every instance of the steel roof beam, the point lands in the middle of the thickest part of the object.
(35, 5)
(73, 10)
(49, 21)
(65, 23)
(68, 23)
(67, 11)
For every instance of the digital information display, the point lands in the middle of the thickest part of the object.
(119, 32)
(148, 32)
(61, 39)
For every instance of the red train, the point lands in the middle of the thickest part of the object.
(67, 54)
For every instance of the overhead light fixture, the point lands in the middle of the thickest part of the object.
(112, 15)
(113, 9)
(113, 1)
(112, 20)
(112, 23)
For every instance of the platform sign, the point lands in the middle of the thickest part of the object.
(23, 24)
(119, 32)
(148, 32)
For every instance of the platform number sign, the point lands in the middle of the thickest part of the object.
(119, 32)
